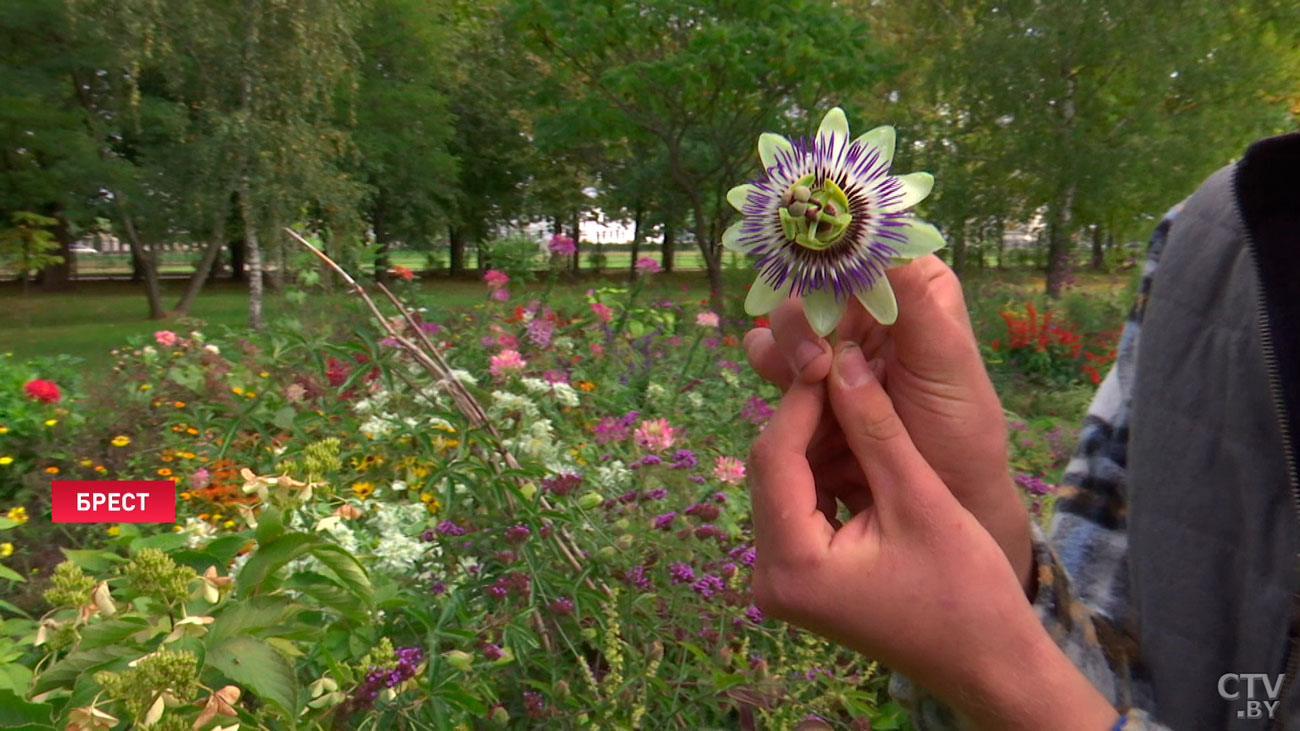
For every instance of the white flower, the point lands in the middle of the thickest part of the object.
(567, 395)
(398, 486)
(695, 399)
(613, 475)
(730, 378)
(212, 349)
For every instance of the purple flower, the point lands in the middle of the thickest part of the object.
(610, 429)
(709, 530)
(562, 607)
(534, 703)
(555, 376)
(517, 533)
(684, 459)
(563, 483)
(681, 573)
(540, 331)
(1034, 485)
(636, 576)
(449, 528)
(492, 652)
(438, 588)
(647, 461)
(657, 493)
(719, 497)
(646, 265)
(428, 536)
(665, 521)
(498, 590)
(708, 585)
(430, 328)
(754, 614)
(696, 478)
(757, 411)
(562, 245)
(703, 511)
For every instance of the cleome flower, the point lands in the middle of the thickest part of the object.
(826, 219)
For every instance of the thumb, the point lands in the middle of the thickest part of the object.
(904, 486)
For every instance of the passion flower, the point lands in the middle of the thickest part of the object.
(826, 219)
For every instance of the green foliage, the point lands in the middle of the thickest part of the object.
(28, 244)
(519, 256)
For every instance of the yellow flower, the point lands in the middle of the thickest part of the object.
(191, 431)
(51, 422)
(6, 461)
(178, 404)
(187, 455)
(6, 550)
(250, 394)
(363, 489)
(586, 386)
(17, 514)
(145, 386)
(237, 391)
(445, 427)
(121, 440)
(186, 496)
(114, 530)
(4, 430)
(434, 506)
(101, 469)
(51, 470)
(264, 374)
(85, 463)
(229, 524)
(167, 458)
(164, 471)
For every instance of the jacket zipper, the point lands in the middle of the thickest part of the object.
(1293, 475)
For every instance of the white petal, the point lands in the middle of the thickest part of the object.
(883, 139)
(768, 145)
(922, 239)
(822, 311)
(731, 238)
(834, 123)
(880, 302)
(737, 195)
(916, 186)
(762, 299)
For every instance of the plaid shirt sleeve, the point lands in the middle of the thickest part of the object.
(1082, 569)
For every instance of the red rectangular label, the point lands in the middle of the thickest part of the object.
(114, 501)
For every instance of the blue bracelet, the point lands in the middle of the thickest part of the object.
(1119, 725)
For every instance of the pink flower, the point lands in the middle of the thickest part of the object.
(507, 341)
(42, 390)
(646, 265)
(500, 295)
(562, 245)
(729, 469)
(506, 362)
(165, 338)
(597, 350)
(604, 313)
(707, 319)
(496, 279)
(200, 479)
(655, 435)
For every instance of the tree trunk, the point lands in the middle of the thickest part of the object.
(636, 242)
(577, 244)
(381, 243)
(210, 252)
(254, 262)
(712, 255)
(1000, 231)
(456, 242)
(669, 246)
(1058, 246)
(58, 277)
(148, 266)
(1098, 254)
(238, 252)
(958, 240)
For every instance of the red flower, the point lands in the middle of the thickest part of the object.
(41, 390)
(762, 321)
(402, 272)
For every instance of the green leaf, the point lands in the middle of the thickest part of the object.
(14, 677)
(249, 617)
(284, 417)
(226, 547)
(166, 542)
(64, 673)
(253, 665)
(272, 556)
(270, 525)
(111, 632)
(16, 713)
(328, 594)
(93, 561)
(347, 568)
(10, 574)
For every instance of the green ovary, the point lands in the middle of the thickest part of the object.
(815, 217)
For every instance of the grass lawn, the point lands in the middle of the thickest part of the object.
(101, 315)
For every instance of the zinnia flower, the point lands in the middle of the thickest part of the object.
(707, 319)
(646, 265)
(42, 390)
(495, 279)
(165, 338)
(602, 311)
(507, 361)
(729, 469)
(562, 245)
(655, 435)
(826, 219)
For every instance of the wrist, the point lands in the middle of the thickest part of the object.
(1057, 695)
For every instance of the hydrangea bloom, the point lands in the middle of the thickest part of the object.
(826, 219)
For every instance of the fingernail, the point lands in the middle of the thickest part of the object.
(852, 367)
(805, 354)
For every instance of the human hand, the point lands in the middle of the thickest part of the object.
(912, 580)
(930, 364)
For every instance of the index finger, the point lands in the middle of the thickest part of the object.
(787, 523)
